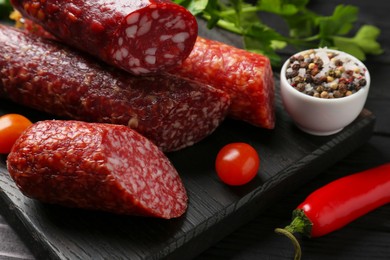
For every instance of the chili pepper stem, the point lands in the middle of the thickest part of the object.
(300, 224)
(297, 246)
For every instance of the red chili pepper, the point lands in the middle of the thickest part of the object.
(339, 203)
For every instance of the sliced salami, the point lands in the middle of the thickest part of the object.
(96, 166)
(141, 37)
(247, 77)
(172, 112)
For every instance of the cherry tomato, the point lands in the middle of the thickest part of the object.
(237, 163)
(11, 126)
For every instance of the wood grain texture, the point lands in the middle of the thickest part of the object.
(242, 219)
(289, 159)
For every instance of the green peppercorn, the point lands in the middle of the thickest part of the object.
(337, 94)
(331, 73)
(319, 88)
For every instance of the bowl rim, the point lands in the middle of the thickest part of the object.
(360, 92)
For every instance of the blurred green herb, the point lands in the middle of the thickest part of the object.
(5, 9)
(306, 29)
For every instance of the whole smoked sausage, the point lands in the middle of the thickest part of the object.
(172, 112)
(141, 37)
(247, 77)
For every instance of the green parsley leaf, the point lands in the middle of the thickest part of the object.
(195, 7)
(364, 42)
(262, 39)
(306, 29)
(5, 8)
(339, 23)
(279, 7)
(366, 38)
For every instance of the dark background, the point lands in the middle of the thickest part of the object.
(365, 238)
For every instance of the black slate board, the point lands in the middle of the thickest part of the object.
(289, 158)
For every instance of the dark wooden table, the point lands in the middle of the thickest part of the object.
(365, 238)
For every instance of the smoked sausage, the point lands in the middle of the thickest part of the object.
(98, 167)
(172, 112)
(247, 77)
(141, 37)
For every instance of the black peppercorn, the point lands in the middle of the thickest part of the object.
(296, 66)
(291, 74)
(308, 78)
(338, 63)
(362, 82)
(351, 86)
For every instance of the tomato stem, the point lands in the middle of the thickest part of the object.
(297, 246)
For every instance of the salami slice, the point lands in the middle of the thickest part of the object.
(172, 112)
(96, 166)
(141, 37)
(247, 77)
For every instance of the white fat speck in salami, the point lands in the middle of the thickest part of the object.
(118, 55)
(180, 37)
(134, 62)
(151, 51)
(150, 59)
(133, 18)
(165, 19)
(155, 14)
(172, 22)
(140, 70)
(131, 31)
(180, 46)
(111, 168)
(124, 52)
(165, 37)
(168, 56)
(145, 28)
(103, 27)
(143, 20)
(179, 25)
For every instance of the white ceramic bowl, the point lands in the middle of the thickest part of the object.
(320, 116)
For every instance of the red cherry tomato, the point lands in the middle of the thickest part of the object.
(237, 163)
(11, 126)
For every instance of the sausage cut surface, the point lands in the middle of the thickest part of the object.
(141, 37)
(96, 166)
